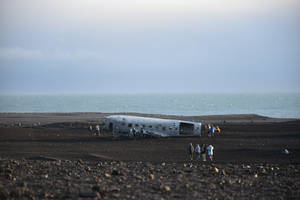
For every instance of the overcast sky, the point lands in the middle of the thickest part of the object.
(133, 46)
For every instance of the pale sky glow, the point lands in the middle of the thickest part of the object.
(74, 46)
(11, 53)
(75, 11)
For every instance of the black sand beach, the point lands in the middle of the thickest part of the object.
(53, 156)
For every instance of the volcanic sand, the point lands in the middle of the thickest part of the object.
(45, 139)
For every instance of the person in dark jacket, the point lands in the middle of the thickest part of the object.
(203, 152)
(191, 151)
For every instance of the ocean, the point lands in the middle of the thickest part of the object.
(286, 105)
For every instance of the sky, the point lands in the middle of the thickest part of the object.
(149, 46)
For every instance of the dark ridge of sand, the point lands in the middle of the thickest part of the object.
(53, 156)
(37, 119)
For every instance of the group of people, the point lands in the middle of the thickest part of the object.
(95, 130)
(201, 151)
(213, 129)
(137, 132)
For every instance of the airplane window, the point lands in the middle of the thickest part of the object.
(163, 128)
(129, 125)
(136, 125)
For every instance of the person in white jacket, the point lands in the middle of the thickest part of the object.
(98, 130)
(210, 151)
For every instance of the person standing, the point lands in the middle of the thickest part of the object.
(211, 130)
(91, 129)
(131, 132)
(98, 129)
(197, 151)
(203, 152)
(208, 128)
(210, 152)
(134, 132)
(191, 151)
(218, 130)
(141, 132)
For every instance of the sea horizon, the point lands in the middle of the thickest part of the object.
(281, 105)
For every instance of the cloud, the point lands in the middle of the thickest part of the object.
(80, 54)
(11, 53)
(107, 12)
(20, 53)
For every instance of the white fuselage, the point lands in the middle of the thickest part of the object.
(119, 124)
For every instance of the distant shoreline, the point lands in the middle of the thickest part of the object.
(28, 119)
(277, 105)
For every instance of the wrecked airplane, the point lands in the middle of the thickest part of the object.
(124, 125)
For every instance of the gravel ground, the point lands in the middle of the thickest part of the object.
(64, 179)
